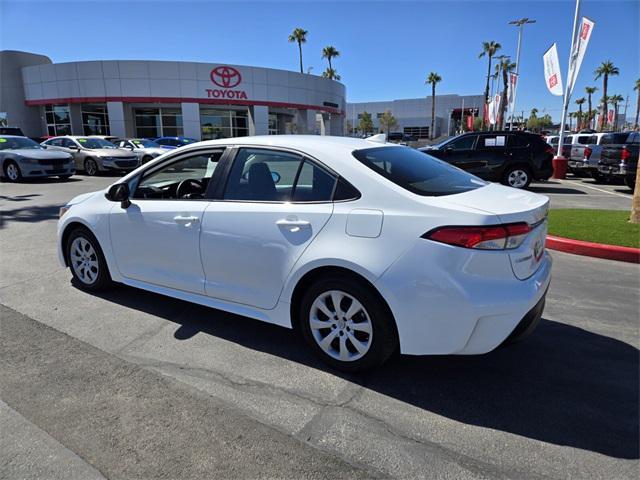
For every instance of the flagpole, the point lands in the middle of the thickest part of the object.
(565, 105)
(520, 23)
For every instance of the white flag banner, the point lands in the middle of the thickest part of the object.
(494, 109)
(552, 70)
(513, 83)
(579, 49)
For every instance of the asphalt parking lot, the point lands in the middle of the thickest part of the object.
(131, 384)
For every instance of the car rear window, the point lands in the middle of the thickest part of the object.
(614, 138)
(418, 172)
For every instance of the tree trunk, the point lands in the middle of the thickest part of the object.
(329, 59)
(579, 117)
(637, 110)
(635, 206)
(503, 102)
(433, 110)
(486, 95)
(605, 105)
(300, 50)
(589, 117)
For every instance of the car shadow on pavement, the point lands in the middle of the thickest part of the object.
(31, 214)
(563, 385)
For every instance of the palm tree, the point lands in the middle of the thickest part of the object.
(615, 99)
(637, 87)
(590, 91)
(329, 53)
(489, 49)
(299, 35)
(580, 102)
(331, 73)
(432, 79)
(605, 70)
(505, 66)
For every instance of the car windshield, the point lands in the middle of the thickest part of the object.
(418, 172)
(144, 143)
(187, 140)
(18, 143)
(93, 143)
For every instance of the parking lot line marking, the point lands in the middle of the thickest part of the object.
(599, 189)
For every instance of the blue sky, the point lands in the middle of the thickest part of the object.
(387, 48)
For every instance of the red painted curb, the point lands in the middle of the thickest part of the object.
(590, 249)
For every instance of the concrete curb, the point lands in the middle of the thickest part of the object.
(590, 249)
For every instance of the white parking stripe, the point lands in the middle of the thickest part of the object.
(599, 189)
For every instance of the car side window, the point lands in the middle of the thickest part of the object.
(464, 143)
(67, 143)
(56, 142)
(186, 178)
(492, 141)
(313, 184)
(517, 141)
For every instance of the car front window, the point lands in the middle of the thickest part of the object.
(418, 172)
(18, 143)
(145, 144)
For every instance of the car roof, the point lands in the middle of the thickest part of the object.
(13, 136)
(301, 142)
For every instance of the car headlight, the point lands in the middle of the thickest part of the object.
(30, 161)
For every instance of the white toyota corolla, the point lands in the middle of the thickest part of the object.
(366, 247)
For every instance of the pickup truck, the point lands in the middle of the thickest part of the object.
(621, 160)
(585, 157)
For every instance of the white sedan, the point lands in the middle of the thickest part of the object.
(366, 247)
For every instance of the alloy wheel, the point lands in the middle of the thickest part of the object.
(84, 260)
(517, 178)
(340, 325)
(91, 168)
(12, 172)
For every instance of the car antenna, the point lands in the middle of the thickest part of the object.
(379, 138)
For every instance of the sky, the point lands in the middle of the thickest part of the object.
(387, 47)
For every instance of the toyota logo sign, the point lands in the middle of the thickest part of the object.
(226, 77)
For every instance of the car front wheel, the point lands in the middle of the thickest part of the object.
(517, 177)
(347, 325)
(12, 172)
(598, 177)
(90, 167)
(88, 266)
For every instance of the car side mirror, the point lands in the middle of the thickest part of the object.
(119, 193)
(448, 149)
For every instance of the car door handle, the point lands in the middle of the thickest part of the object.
(185, 220)
(293, 225)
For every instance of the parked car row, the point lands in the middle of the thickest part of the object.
(62, 156)
(620, 160)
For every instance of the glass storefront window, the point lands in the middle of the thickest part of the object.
(273, 124)
(95, 119)
(158, 122)
(215, 123)
(58, 119)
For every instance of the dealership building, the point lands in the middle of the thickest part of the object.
(413, 115)
(145, 98)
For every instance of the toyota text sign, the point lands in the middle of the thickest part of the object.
(227, 78)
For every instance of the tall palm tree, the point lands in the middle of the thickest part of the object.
(489, 49)
(505, 66)
(432, 79)
(580, 102)
(590, 91)
(299, 35)
(329, 53)
(637, 88)
(605, 70)
(615, 100)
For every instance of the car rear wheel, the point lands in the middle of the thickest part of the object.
(90, 167)
(517, 177)
(88, 266)
(12, 172)
(598, 177)
(64, 178)
(347, 325)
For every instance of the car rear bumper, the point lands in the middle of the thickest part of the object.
(616, 170)
(458, 302)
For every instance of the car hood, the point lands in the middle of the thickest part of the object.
(111, 152)
(82, 197)
(40, 154)
(154, 150)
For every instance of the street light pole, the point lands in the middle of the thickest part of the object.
(520, 23)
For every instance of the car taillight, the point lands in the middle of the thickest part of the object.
(494, 237)
(587, 153)
(624, 154)
(550, 150)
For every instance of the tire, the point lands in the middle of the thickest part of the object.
(598, 177)
(91, 167)
(630, 182)
(12, 172)
(145, 159)
(374, 330)
(517, 177)
(86, 261)
(64, 178)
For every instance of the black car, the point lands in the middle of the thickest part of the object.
(621, 160)
(513, 158)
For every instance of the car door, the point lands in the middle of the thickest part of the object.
(489, 156)
(157, 238)
(459, 151)
(274, 204)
